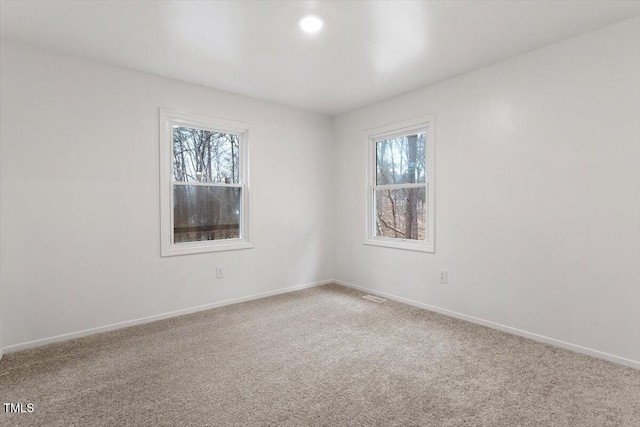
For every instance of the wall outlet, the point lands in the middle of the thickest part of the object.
(443, 276)
(219, 272)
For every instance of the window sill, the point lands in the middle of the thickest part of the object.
(404, 245)
(187, 249)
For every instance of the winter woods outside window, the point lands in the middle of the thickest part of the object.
(401, 187)
(400, 205)
(206, 195)
(205, 208)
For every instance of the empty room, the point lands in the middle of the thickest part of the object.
(320, 213)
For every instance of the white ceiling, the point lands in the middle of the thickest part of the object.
(368, 50)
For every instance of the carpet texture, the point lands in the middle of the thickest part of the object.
(322, 356)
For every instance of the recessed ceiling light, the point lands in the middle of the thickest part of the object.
(311, 23)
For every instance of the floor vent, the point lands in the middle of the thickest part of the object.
(374, 298)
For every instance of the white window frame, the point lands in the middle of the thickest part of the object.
(423, 124)
(169, 118)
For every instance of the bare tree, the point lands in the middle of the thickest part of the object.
(411, 211)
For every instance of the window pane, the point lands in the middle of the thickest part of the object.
(205, 213)
(205, 156)
(401, 160)
(401, 213)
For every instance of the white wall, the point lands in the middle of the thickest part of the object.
(537, 177)
(80, 197)
(1, 348)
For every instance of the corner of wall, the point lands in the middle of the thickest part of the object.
(334, 192)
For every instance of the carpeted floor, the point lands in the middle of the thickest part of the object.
(322, 356)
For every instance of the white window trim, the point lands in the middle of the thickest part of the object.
(172, 117)
(422, 124)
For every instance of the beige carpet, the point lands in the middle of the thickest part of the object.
(322, 356)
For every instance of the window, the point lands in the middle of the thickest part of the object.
(401, 191)
(204, 193)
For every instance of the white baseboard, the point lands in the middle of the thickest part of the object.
(541, 338)
(120, 325)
